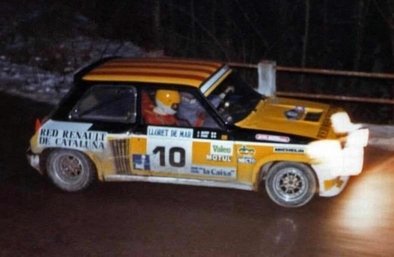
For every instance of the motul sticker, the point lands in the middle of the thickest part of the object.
(219, 158)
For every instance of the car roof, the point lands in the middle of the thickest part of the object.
(187, 72)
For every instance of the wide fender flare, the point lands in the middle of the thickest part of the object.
(97, 162)
(269, 159)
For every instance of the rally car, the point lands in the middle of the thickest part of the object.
(194, 122)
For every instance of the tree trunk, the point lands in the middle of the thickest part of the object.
(156, 24)
(305, 40)
(227, 29)
(360, 28)
(193, 28)
(325, 45)
(282, 22)
(391, 25)
(306, 33)
(390, 21)
(213, 16)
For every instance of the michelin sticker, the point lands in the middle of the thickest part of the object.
(71, 135)
(286, 149)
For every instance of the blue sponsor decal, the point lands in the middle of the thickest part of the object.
(141, 162)
(213, 171)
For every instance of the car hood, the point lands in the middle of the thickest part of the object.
(290, 116)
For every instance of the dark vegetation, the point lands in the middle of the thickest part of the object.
(343, 35)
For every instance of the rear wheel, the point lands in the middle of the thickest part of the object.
(70, 170)
(291, 184)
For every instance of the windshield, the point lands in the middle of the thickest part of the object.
(234, 99)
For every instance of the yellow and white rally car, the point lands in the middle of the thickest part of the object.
(194, 122)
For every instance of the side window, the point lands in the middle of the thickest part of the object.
(107, 103)
(174, 108)
(191, 111)
(159, 106)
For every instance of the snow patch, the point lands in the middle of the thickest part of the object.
(34, 82)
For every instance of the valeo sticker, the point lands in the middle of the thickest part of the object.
(222, 148)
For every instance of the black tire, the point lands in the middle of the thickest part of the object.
(291, 184)
(70, 170)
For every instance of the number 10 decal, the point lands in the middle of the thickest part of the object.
(176, 156)
(170, 149)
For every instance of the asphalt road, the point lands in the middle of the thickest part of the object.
(139, 219)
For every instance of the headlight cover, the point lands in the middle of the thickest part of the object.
(341, 123)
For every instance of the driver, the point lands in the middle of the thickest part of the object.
(191, 111)
(165, 107)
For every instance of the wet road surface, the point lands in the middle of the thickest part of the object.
(140, 219)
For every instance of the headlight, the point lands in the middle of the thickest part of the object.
(324, 150)
(342, 124)
(358, 138)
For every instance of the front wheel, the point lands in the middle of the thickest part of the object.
(291, 184)
(70, 170)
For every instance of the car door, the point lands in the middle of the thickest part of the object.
(161, 146)
(184, 152)
(191, 148)
(170, 150)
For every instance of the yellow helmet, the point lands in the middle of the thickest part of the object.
(168, 101)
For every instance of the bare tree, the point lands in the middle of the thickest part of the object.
(252, 24)
(386, 10)
(193, 27)
(157, 34)
(207, 31)
(306, 33)
(361, 12)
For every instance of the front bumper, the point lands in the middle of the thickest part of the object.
(335, 160)
(342, 157)
(332, 187)
(34, 160)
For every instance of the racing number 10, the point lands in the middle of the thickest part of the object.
(176, 157)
